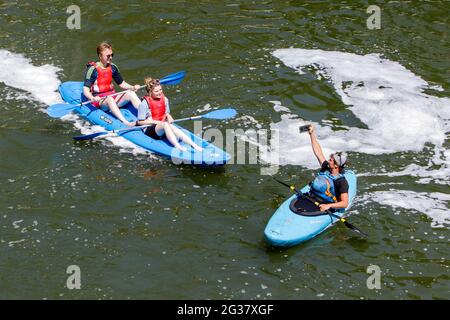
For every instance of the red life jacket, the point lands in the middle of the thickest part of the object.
(157, 107)
(103, 84)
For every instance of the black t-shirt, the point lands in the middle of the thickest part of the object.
(340, 185)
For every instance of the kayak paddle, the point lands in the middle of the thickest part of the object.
(101, 133)
(344, 221)
(221, 114)
(347, 224)
(286, 185)
(174, 78)
(216, 114)
(61, 109)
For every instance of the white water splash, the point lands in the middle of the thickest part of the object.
(426, 173)
(42, 84)
(390, 100)
(206, 107)
(434, 205)
(125, 146)
(384, 95)
(18, 72)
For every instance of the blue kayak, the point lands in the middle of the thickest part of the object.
(71, 92)
(298, 220)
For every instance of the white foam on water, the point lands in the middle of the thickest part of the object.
(427, 174)
(248, 121)
(434, 205)
(278, 107)
(384, 95)
(206, 107)
(42, 84)
(18, 72)
(124, 145)
(400, 117)
(290, 147)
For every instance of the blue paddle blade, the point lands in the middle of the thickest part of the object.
(90, 136)
(60, 109)
(174, 78)
(220, 114)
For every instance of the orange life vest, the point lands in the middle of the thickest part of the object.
(103, 84)
(157, 107)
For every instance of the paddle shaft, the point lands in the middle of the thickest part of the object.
(189, 118)
(111, 95)
(162, 81)
(347, 224)
(177, 120)
(117, 93)
(134, 128)
(333, 215)
(211, 115)
(131, 128)
(286, 185)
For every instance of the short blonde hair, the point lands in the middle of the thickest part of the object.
(103, 46)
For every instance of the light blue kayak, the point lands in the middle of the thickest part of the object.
(71, 92)
(288, 228)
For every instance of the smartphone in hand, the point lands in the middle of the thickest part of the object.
(304, 128)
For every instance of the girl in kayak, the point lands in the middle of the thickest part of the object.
(330, 185)
(154, 110)
(98, 84)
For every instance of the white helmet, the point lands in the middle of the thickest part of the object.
(340, 158)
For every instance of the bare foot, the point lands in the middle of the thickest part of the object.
(130, 124)
(179, 147)
(196, 147)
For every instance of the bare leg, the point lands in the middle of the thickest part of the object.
(130, 96)
(116, 111)
(172, 137)
(181, 135)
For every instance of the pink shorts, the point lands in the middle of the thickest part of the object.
(104, 94)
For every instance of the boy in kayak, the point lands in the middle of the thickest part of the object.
(98, 84)
(154, 110)
(330, 186)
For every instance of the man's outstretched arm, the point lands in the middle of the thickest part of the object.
(317, 149)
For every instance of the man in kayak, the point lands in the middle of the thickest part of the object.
(98, 84)
(154, 110)
(330, 186)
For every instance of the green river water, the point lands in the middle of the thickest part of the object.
(141, 227)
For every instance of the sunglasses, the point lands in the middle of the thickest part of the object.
(110, 55)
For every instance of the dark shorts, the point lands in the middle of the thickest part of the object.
(151, 132)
